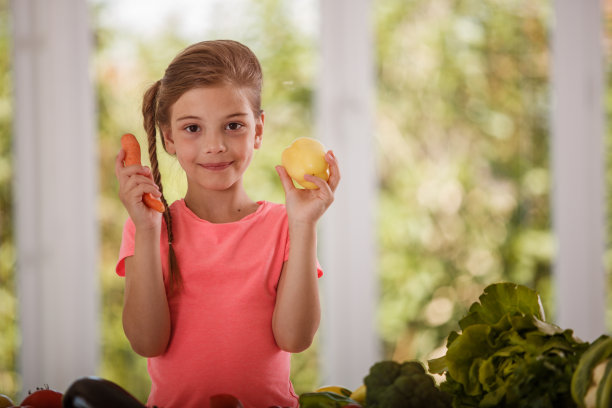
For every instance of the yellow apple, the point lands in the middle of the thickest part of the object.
(5, 401)
(305, 156)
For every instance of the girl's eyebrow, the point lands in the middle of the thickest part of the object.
(195, 117)
(188, 117)
(237, 114)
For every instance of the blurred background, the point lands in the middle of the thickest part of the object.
(461, 144)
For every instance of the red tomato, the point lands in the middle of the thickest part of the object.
(43, 398)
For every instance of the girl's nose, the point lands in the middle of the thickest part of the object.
(214, 143)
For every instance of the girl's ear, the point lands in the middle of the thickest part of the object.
(259, 130)
(168, 140)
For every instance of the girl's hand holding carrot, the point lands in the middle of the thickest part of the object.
(137, 190)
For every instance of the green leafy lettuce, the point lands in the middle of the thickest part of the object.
(507, 355)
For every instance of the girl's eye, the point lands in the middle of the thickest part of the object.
(234, 126)
(192, 128)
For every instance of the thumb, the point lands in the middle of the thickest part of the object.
(285, 179)
(119, 161)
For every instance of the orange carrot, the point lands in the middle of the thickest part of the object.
(132, 156)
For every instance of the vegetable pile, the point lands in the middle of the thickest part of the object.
(504, 355)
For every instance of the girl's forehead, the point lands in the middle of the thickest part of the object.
(216, 99)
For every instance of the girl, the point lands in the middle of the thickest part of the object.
(221, 289)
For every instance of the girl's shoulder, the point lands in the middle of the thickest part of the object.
(271, 209)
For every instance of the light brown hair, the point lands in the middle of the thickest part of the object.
(207, 63)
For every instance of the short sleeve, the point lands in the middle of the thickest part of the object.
(288, 245)
(127, 246)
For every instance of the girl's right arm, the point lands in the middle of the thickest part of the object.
(146, 316)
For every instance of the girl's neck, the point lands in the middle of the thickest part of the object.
(220, 206)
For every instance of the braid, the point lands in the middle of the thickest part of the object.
(149, 108)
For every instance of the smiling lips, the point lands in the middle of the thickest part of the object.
(216, 166)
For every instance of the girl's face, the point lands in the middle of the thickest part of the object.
(213, 133)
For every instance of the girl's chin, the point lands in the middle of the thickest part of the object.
(217, 185)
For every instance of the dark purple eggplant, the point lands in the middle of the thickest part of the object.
(95, 392)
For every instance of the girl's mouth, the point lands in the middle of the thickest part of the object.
(216, 166)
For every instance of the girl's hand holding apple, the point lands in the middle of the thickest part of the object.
(306, 162)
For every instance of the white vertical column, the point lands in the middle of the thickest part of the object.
(55, 192)
(345, 104)
(578, 165)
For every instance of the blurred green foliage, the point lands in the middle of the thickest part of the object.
(9, 380)
(463, 160)
(462, 152)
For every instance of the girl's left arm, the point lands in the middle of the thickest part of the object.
(297, 312)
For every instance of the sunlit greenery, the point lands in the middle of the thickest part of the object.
(462, 135)
(8, 303)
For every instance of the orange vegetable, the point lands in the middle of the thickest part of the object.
(132, 156)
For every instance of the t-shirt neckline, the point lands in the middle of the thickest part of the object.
(260, 208)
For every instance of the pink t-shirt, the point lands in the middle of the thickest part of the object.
(222, 340)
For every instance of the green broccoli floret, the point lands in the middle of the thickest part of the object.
(393, 385)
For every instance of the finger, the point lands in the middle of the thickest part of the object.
(150, 189)
(149, 173)
(141, 189)
(136, 195)
(137, 170)
(140, 179)
(285, 179)
(334, 170)
(320, 183)
(137, 185)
